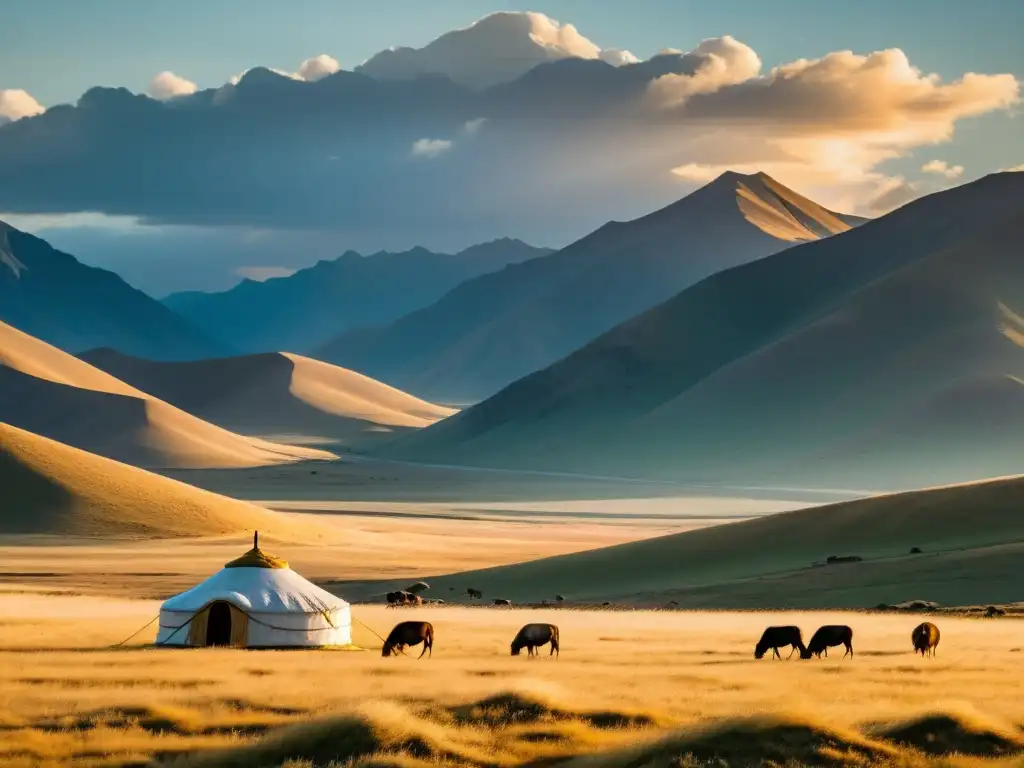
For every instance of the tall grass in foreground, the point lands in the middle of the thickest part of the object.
(631, 689)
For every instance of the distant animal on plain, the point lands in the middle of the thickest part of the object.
(474, 594)
(925, 638)
(827, 637)
(532, 636)
(401, 597)
(779, 637)
(915, 550)
(502, 601)
(409, 633)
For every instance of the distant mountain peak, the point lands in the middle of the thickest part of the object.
(770, 206)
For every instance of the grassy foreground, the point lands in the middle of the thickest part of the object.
(630, 689)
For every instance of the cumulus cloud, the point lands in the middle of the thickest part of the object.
(724, 61)
(430, 147)
(167, 85)
(548, 157)
(942, 168)
(317, 68)
(16, 104)
(496, 49)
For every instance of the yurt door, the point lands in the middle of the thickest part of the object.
(218, 624)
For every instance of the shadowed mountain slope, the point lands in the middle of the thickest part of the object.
(305, 309)
(52, 296)
(783, 369)
(499, 327)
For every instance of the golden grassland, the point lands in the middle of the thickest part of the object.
(644, 688)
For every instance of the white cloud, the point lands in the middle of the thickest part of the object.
(430, 147)
(498, 48)
(617, 57)
(824, 126)
(16, 104)
(260, 274)
(942, 168)
(167, 85)
(472, 127)
(726, 61)
(317, 68)
(1015, 168)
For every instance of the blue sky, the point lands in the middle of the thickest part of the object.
(56, 49)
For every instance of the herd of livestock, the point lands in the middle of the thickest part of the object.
(925, 639)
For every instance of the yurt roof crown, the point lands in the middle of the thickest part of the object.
(257, 558)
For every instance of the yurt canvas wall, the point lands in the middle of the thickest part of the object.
(256, 601)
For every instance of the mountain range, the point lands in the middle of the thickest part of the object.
(51, 295)
(305, 309)
(496, 328)
(887, 356)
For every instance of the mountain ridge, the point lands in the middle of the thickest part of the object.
(304, 309)
(51, 295)
(494, 329)
(550, 418)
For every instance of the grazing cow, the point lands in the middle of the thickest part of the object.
(409, 633)
(502, 601)
(827, 637)
(925, 638)
(474, 594)
(779, 637)
(532, 636)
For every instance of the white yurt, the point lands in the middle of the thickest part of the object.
(256, 601)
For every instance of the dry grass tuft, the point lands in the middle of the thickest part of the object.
(944, 733)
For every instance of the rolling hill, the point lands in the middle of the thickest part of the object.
(51, 295)
(276, 394)
(971, 537)
(306, 309)
(494, 329)
(52, 488)
(51, 393)
(798, 368)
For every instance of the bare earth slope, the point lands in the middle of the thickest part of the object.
(773, 371)
(496, 328)
(54, 394)
(54, 297)
(767, 562)
(276, 393)
(51, 488)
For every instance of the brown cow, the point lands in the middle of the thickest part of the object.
(925, 638)
(409, 633)
(532, 636)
